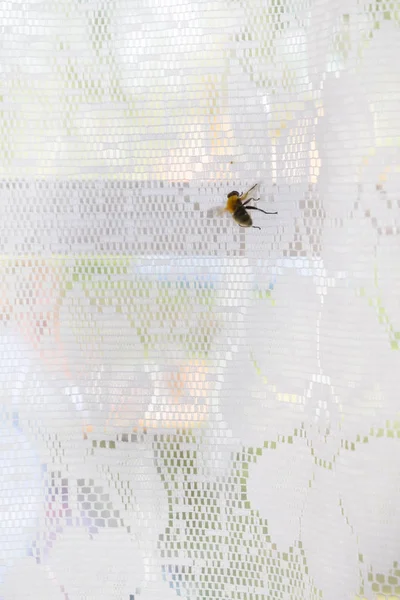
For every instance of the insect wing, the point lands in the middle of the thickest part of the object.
(217, 211)
(243, 197)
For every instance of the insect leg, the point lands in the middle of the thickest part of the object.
(249, 200)
(253, 226)
(244, 196)
(260, 209)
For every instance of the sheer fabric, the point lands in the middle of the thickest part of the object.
(189, 408)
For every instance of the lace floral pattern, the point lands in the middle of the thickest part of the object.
(189, 409)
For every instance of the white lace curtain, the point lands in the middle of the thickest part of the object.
(187, 408)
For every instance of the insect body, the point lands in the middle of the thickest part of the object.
(237, 205)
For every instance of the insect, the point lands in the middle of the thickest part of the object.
(237, 205)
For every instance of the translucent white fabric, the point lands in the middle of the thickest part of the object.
(189, 408)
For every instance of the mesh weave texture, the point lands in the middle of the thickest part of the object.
(189, 408)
